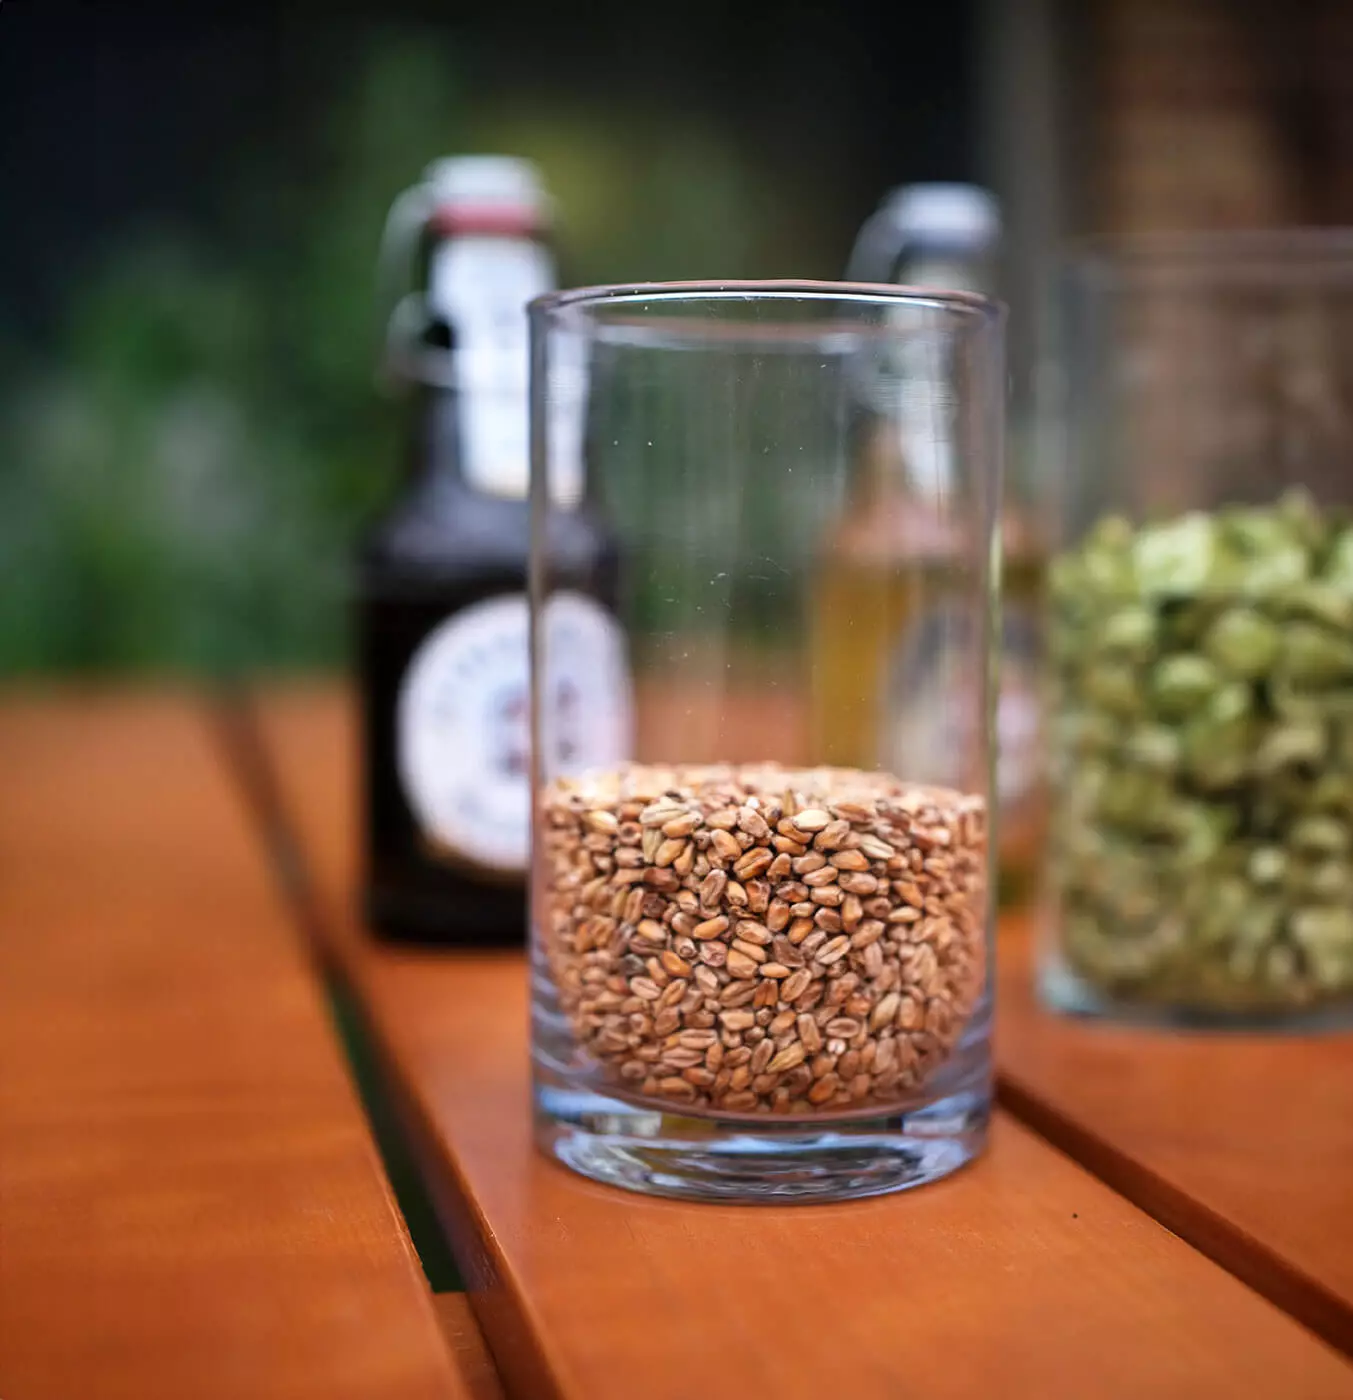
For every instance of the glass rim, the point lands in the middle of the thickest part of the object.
(1213, 255)
(986, 310)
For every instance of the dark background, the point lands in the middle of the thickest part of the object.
(193, 197)
(115, 119)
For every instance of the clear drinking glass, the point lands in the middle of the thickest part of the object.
(1201, 633)
(754, 975)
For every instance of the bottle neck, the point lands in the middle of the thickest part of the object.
(880, 471)
(435, 457)
(918, 447)
(955, 268)
(477, 411)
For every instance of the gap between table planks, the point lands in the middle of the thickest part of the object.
(1022, 1275)
(1241, 1144)
(467, 1344)
(190, 1202)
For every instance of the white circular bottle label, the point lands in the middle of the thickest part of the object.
(463, 720)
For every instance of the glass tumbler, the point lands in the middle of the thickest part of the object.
(758, 973)
(1201, 634)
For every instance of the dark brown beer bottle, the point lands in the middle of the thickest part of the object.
(442, 612)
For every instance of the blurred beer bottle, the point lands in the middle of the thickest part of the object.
(887, 590)
(442, 644)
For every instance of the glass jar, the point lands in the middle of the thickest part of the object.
(1200, 632)
(756, 975)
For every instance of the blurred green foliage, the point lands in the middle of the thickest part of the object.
(184, 477)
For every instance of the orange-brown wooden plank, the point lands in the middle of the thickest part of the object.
(463, 1336)
(1243, 1144)
(1022, 1275)
(190, 1202)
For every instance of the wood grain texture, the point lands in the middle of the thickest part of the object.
(1242, 1144)
(190, 1202)
(467, 1344)
(1022, 1275)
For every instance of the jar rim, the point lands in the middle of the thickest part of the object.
(1213, 256)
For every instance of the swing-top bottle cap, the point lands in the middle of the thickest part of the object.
(486, 182)
(956, 215)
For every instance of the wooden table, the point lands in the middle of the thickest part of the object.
(1026, 1274)
(191, 1204)
(1243, 1145)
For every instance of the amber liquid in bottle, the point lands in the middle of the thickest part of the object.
(887, 585)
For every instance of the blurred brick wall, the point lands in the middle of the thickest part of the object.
(1218, 114)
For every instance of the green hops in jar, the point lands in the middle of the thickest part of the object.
(1202, 754)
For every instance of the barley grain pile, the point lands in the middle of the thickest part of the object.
(758, 939)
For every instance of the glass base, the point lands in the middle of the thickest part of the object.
(1065, 991)
(759, 1160)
